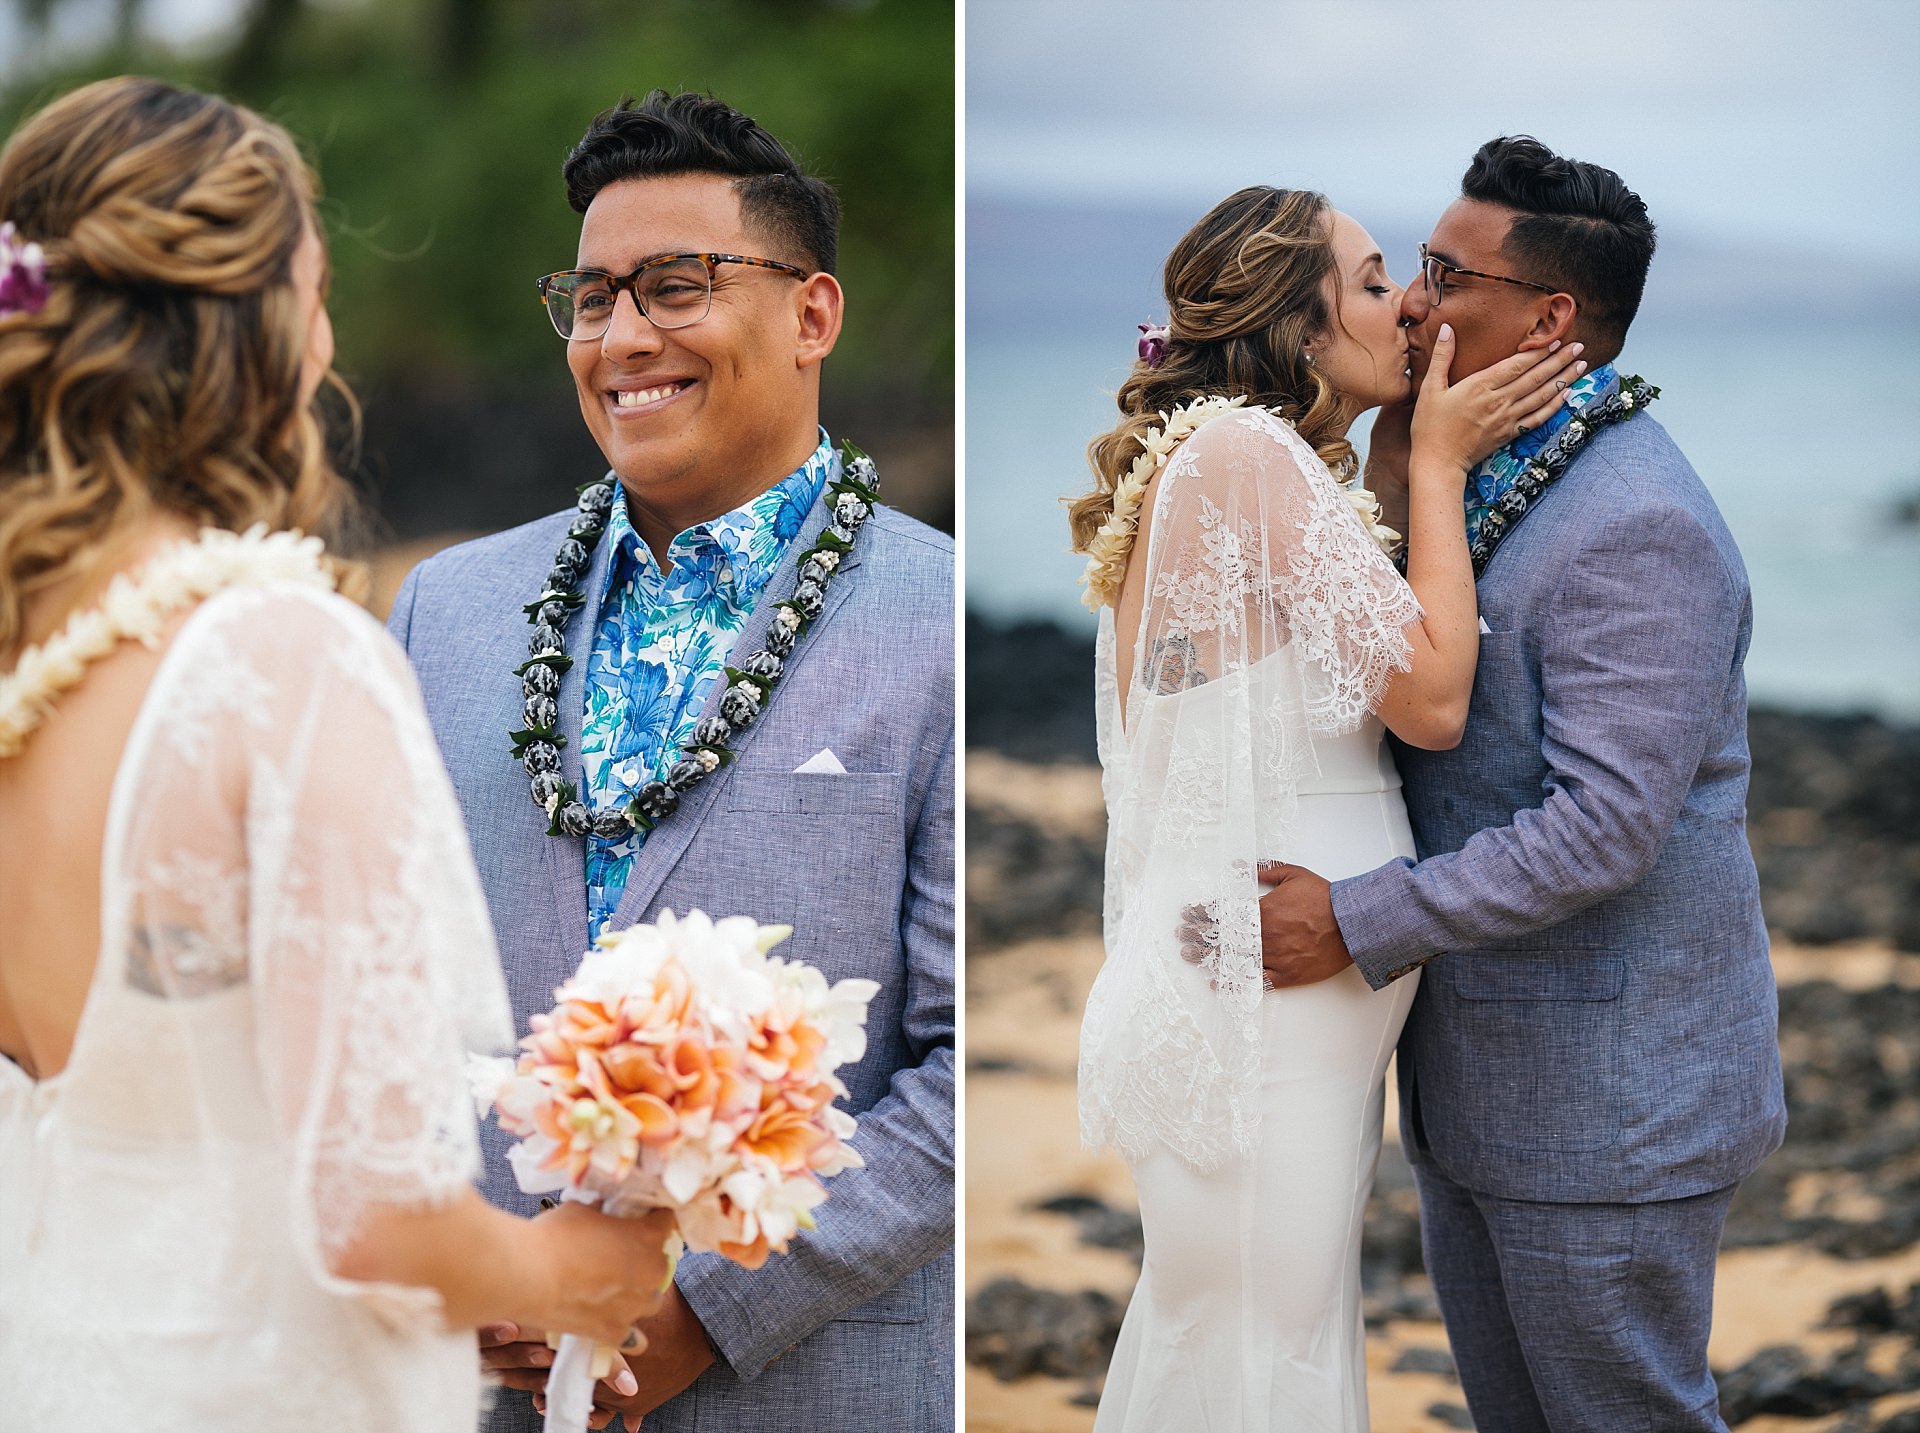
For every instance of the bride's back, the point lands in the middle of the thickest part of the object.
(161, 339)
(53, 819)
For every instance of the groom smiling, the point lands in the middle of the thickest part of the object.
(725, 678)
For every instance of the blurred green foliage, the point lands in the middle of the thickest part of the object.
(439, 126)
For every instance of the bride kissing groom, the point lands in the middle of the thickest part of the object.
(1559, 906)
(726, 680)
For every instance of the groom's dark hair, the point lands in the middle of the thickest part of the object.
(665, 134)
(1576, 226)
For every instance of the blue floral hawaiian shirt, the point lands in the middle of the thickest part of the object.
(1495, 476)
(660, 649)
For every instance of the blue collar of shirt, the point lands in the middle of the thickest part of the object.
(1498, 470)
(750, 540)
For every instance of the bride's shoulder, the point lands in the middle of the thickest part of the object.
(290, 629)
(1247, 441)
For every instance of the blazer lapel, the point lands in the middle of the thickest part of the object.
(672, 837)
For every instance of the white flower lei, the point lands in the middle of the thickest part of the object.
(137, 606)
(1107, 553)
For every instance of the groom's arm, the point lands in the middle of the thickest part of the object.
(1634, 667)
(885, 1220)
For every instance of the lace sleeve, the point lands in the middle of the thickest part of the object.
(368, 943)
(1255, 548)
(1264, 617)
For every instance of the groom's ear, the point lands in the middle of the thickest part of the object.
(1552, 322)
(818, 308)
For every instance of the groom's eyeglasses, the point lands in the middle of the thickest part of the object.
(1434, 271)
(673, 291)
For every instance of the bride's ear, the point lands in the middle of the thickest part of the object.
(1553, 323)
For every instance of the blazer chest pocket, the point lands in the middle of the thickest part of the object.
(807, 793)
(904, 1303)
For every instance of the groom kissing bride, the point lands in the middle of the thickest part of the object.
(1558, 921)
(725, 678)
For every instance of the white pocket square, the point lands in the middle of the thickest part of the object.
(822, 763)
(1485, 630)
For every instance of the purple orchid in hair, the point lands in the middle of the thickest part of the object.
(23, 274)
(1153, 343)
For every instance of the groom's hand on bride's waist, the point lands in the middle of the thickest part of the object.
(1300, 941)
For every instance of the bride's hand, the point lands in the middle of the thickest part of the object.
(1458, 424)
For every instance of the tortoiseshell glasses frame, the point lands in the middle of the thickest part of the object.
(1434, 271)
(672, 290)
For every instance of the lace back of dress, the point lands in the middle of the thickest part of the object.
(1271, 618)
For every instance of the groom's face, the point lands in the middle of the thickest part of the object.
(697, 420)
(1490, 320)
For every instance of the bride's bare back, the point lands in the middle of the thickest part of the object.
(53, 820)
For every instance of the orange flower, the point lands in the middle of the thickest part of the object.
(784, 1135)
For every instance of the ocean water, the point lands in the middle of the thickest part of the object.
(1800, 424)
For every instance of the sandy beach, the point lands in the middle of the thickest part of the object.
(1024, 997)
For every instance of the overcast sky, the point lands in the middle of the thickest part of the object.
(1778, 122)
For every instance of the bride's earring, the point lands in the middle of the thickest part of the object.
(1309, 358)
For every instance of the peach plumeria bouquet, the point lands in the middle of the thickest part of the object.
(683, 1067)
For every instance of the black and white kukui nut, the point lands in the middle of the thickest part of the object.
(810, 598)
(553, 614)
(685, 773)
(741, 704)
(850, 510)
(763, 664)
(546, 789)
(541, 680)
(545, 642)
(574, 819)
(656, 800)
(541, 713)
(596, 497)
(711, 731)
(780, 639)
(612, 824)
(540, 756)
(819, 567)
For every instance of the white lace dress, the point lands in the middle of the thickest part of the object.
(1251, 1121)
(294, 956)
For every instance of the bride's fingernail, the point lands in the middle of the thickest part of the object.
(1446, 330)
(1554, 346)
(1577, 348)
(1580, 367)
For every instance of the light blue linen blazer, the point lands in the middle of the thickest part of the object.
(854, 1327)
(1602, 1023)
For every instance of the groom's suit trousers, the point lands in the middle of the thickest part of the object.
(1576, 1318)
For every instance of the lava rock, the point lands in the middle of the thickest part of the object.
(1015, 1330)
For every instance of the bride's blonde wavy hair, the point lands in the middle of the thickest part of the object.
(1246, 288)
(164, 370)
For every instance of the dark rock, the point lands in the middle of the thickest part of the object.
(1426, 1360)
(1784, 1381)
(1030, 691)
(1100, 1224)
(1014, 1330)
(1024, 881)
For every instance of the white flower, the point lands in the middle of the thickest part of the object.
(1107, 553)
(486, 1076)
(138, 605)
